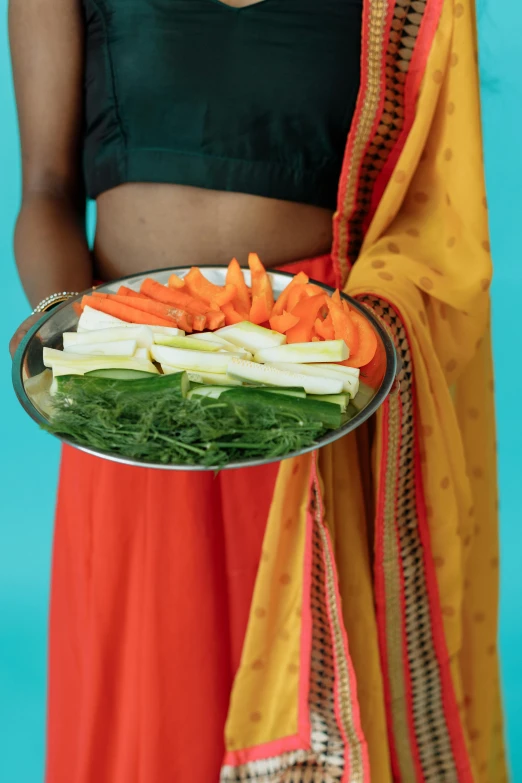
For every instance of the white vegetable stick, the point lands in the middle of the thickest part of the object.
(95, 319)
(103, 363)
(305, 353)
(191, 360)
(142, 353)
(171, 330)
(142, 335)
(93, 322)
(354, 372)
(119, 348)
(209, 378)
(272, 376)
(62, 359)
(350, 383)
(212, 337)
(251, 336)
(186, 343)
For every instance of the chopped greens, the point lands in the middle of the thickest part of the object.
(152, 421)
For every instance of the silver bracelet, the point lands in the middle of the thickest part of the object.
(53, 300)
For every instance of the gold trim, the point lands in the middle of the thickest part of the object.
(403, 548)
(354, 756)
(377, 12)
(396, 654)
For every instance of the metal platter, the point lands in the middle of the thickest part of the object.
(32, 382)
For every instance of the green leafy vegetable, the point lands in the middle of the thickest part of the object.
(151, 421)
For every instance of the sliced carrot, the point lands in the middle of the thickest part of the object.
(78, 308)
(199, 323)
(344, 327)
(181, 317)
(242, 300)
(176, 282)
(282, 323)
(324, 328)
(231, 316)
(124, 312)
(124, 291)
(306, 310)
(215, 320)
(173, 297)
(282, 303)
(201, 288)
(367, 341)
(99, 295)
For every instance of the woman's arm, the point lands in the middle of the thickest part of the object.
(51, 250)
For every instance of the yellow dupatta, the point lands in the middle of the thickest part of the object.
(371, 647)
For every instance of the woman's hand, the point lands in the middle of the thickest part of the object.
(22, 330)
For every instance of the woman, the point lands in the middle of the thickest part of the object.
(337, 613)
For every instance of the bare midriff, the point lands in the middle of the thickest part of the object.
(143, 227)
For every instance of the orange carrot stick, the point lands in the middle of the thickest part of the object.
(215, 319)
(241, 302)
(124, 291)
(176, 282)
(282, 303)
(201, 288)
(172, 297)
(99, 295)
(125, 313)
(202, 316)
(282, 323)
(179, 316)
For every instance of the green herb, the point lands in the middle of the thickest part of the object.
(150, 421)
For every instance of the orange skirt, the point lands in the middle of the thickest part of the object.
(153, 575)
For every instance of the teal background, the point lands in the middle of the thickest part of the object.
(29, 459)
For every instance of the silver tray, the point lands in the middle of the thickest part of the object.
(31, 382)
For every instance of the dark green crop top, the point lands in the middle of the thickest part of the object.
(194, 92)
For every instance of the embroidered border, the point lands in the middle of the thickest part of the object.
(425, 732)
(337, 751)
(375, 16)
(393, 37)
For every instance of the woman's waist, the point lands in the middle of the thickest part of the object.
(142, 227)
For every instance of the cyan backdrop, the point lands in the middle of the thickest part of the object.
(29, 459)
